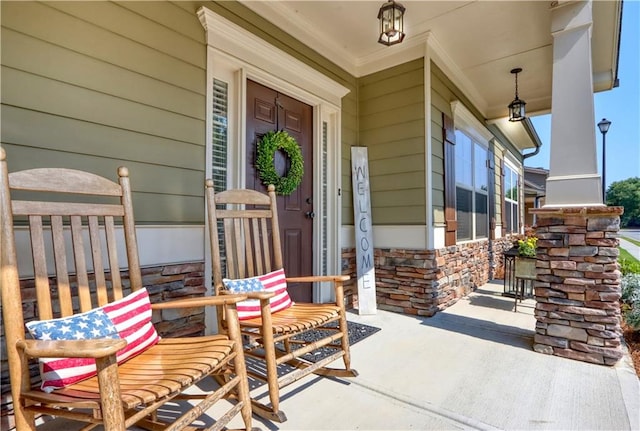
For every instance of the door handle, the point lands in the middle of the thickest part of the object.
(310, 214)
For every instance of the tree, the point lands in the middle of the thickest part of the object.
(626, 194)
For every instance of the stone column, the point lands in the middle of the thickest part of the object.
(573, 175)
(578, 284)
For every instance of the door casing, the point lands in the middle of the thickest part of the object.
(235, 55)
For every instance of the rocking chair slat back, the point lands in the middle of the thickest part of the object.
(82, 235)
(252, 247)
(247, 233)
(66, 236)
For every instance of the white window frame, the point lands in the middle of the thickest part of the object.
(465, 122)
(516, 171)
(474, 189)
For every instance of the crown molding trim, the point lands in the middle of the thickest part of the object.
(238, 43)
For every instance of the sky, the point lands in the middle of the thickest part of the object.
(620, 105)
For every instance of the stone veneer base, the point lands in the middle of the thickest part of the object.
(422, 282)
(578, 284)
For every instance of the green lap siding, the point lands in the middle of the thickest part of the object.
(97, 85)
(441, 97)
(392, 127)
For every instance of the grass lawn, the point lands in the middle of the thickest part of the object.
(624, 254)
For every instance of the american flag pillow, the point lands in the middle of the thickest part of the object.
(272, 282)
(128, 318)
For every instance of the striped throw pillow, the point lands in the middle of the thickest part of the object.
(128, 318)
(272, 282)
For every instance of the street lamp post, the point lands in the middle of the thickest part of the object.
(603, 125)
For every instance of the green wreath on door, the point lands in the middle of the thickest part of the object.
(279, 141)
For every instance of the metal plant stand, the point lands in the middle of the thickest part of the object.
(515, 286)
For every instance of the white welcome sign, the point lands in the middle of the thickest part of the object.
(364, 234)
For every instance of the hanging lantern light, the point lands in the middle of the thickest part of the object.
(516, 108)
(391, 17)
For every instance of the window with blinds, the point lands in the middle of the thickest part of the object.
(472, 188)
(219, 150)
(219, 135)
(511, 194)
(325, 197)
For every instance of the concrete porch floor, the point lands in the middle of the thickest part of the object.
(469, 367)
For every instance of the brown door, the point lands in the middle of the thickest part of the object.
(269, 110)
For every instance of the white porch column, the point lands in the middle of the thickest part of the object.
(573, 176)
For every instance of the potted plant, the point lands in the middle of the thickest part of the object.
(526, 258)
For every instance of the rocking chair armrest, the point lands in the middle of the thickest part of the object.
(204, 301)
(96, 348)
(253, 295)
(338, 282)
(315, 278)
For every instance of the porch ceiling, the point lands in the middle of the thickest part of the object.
(482, 40)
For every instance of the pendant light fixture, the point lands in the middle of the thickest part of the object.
(516, 108)
(391, 17)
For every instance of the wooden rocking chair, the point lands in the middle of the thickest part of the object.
(81, 235)
(248, 220)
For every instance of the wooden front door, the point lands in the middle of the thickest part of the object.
(269, 110)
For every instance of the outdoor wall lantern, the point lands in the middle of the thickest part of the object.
(516, 108)
(391, 17)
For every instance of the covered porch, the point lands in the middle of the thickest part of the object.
(470, 366)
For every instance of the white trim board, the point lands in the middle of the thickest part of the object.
(463, 119)
(248, 48)
(411, 237)
(157, 246)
